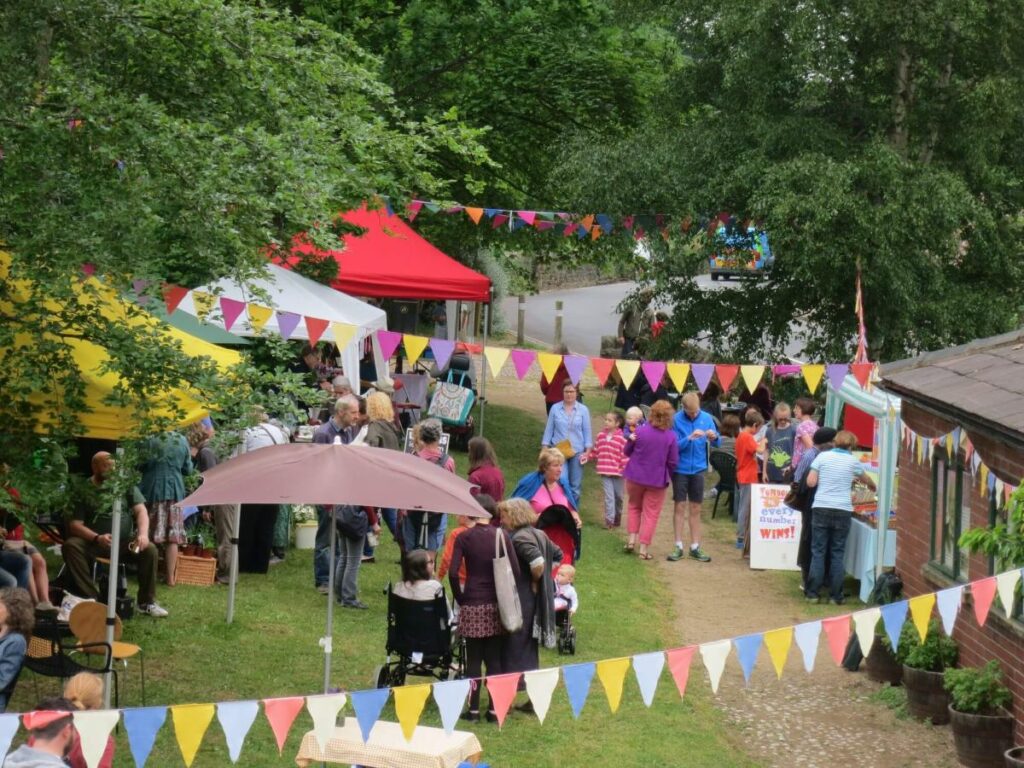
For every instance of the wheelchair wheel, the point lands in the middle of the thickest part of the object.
(572, 644)
(380, 676)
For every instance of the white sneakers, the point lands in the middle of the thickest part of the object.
(154, 610)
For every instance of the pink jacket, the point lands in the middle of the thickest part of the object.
(609, 453)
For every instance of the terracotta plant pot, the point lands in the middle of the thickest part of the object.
(1015, 757)
(926, 696)
(881, 665)
(981, 740)
(209, 553)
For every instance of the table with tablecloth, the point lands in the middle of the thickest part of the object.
(860, 554)
(387, 747)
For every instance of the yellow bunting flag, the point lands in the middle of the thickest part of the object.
(409, 701)
(414, 346)
(259, 316)
(949, 444)
(627, 371)
(203, 303)
(812, 376)
(920, 611)
(190, 724)
(778, 642)
(983, 479)
(343, 334)
(496, 357)
(751, 375)
(918, 448)
(678, 372)
(475, 214)
(612, 673)
(549, 364)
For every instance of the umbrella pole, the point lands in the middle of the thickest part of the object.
(483, 369)
(327, 639)
(115, 551)
(233, 577)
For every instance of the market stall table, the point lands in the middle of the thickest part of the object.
(387, 747)
(860, 554)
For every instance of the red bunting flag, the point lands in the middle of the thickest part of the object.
(837, 630)
(569, 229)
(862, 372)
(173, 294)
(602, 367)
(315, 327)
(679, 665)
(627, 222)
(281, 713)
(726, 375)
(503, 692)
(414, 208)
(983, 592)
(498, 220)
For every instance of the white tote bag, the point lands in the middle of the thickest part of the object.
(509, 609)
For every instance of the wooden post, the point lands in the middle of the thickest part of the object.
(558, 324)
(521, 324)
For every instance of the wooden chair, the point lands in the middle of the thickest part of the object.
(725, 465)
(88, 622)
(48, 656)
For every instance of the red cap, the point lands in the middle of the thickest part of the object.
(40, 719)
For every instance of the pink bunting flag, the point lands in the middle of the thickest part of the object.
(315, 327)
(836, 373)
(287, 322)
(654, 371)
(503, 692)
(679, 665)
(569, 229)
(983, 592)
(498, 220)
(414, 208)
(575, 365)
(522, 359)
(786, 370)
(702, 373)
(389, 341)
(281, 713)
(541, 225)
(528, 216)
(627, 222)
(837, 630)
(602, 367)
(88, 269)
(726, 375)
(442, 349)
(231, 309)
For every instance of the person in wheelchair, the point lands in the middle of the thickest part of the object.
(418, 582)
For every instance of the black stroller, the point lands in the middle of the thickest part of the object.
(423, 638)
(556, 521)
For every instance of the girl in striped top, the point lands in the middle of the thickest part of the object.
(611, 461)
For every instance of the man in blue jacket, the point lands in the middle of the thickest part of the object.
(695, 430)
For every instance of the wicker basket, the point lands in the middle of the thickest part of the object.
(195, 571)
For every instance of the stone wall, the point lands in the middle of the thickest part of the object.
(552, 276)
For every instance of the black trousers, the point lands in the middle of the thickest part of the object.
(488, 651)
(256, 537)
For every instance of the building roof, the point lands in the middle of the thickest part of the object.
(982, 381)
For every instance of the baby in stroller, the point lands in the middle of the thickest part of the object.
(567, 602)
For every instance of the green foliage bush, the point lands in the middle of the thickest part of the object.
(978, 690)
(937, 653)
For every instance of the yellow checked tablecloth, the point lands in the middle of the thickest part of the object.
(387, 747)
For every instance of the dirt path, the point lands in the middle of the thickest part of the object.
(826, 718)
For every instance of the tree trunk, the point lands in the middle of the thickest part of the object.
(902, 92)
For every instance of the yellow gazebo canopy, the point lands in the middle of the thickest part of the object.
(102, 419)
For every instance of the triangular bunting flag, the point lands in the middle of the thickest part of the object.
(287, 322)
(702, 373)
(983, 592)
(751, 375)
(409, 701)
(836, 374)
(88, 269)
(1006, 584)
(450, 696)
(324, 710)
(503, 692)
(678, 373)
(173, 294)
(528, 216)
(203, 303)
(93, 729)
(864, 623)
(496, 357)
(726, 375)
(647, 668)
(577, 679)
(602, 368)
(812, 376)
(612, 674)
(522, 359)
(714, 656)
(595, 233)
(587, 221)
(920, 611)
(142, 726)
(679, 665)
(230, 309)
(315, 328)
(8, 727)
(442, 349)
(747, 648)
(575, 365)
(412, 209)
(343, 334)
(549, 364)
(778, 643)
(627, 371)
(806, 636)
(490, 213)
(569, 229)
(389, 341)
(475, 214)
(654, 371)
(367, 705)
(414, 346)
(281, 713)
(894, 615)
(498, 220)
(540, 684)
(862, 373)
(432, 207)
(236, 718)
(948, 602)
(837, 633)
(259, 316)
(190, 724)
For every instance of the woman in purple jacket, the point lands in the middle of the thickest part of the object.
(653, 455)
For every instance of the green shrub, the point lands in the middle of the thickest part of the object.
(937, 653)
(978, 690)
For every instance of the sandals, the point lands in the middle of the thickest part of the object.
(646, 556)
(629, 549)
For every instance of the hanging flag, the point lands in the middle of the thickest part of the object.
(324, 710)
(605, 222)
(569, 229)
(836, 374)
(549, 364)
(747, 648)
(173, 294)
(190, 724)
(602, 368)
(862, 372)
(522, 359)
(778, 643)
(368, 705)
(528, 216)
(236, 718)
(983, 593)
(575, 365)
(654, 371)
(281, 713)
(806, 636)
(726, 375)
(388, 341)
(714, 656)
(864, 623)
(544, 225)
(751, 375)
(647, 668)
(948, 602)
(315, 328)
(582, 232)
(587, 221)
(230, 309)
(577, 679)
(894, 615)
(679, 665)
(627, 371)
(475, 214)
(442, 349)
(88, 269)
(343, 334)
(502, 689)
(8, 727)
(94, 727)
(450, 696)
(409, 701)
(1006, 585)
(413, 208)
(837, 632)
(496, 357)
(540, 684)
(612, 674)
(142, 726)
(203, 303)
(414, 346)
(498, 220)
(287, 322)
(259, 316)
(920, 611)
(702, 373)
(627, 222)
(678, 373)
(785, 369)
(595, 233)
(812, 376)
(432, 207)
(490, 213)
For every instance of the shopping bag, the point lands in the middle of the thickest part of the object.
(451, 403)
(509, 610)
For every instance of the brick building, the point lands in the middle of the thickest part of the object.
(977, 388)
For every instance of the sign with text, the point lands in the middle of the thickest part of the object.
(774, 529)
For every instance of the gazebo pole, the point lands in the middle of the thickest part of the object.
(233, 576)
(483, 368)
(327, 640)
(112, 579)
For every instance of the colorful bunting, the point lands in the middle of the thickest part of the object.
(577, 679)
(647, 668)
(414, 347)
(412, 209)
(983, 592)
(778, 643)
(714, 656)
(862, 372)
(678, 373)
(281, 713)
(259, 316)
(203, 303)
(409, 702)
(540, 684)
(475, 214)
(173, 294)
(806, 636)
(702, 373)
(575, 365)
(368, 705)
(522, 359)
(920, 611)
(654, 371)
(751, 375)
(236, 718)
(502, 689)
(836, 374)
(864, 623)
(747, 648)
(1006, 584)
(612, 674)
(837, 632)
(389, 341)
(94, 728)
(142, 726)
(344, 333)
(287, 322)
(726, 375)
(496, 357)
(450, 696)
(190, 724)
(549, 364)
(894, 615)
(230, 309)
(442, 349)
(602, 368)
(679, 665)
(627, 371)
(324, 711)
(8, 727)
(315, 328)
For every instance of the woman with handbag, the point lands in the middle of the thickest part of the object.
(491, 568)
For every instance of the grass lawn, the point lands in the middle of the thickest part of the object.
(271, 650)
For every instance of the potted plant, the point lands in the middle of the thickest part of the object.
(206, 541)
(923, 666)
(982, 727)
(1015, 757)
(305, 527)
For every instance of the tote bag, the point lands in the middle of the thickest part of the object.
(509, 610)
(451, 403)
